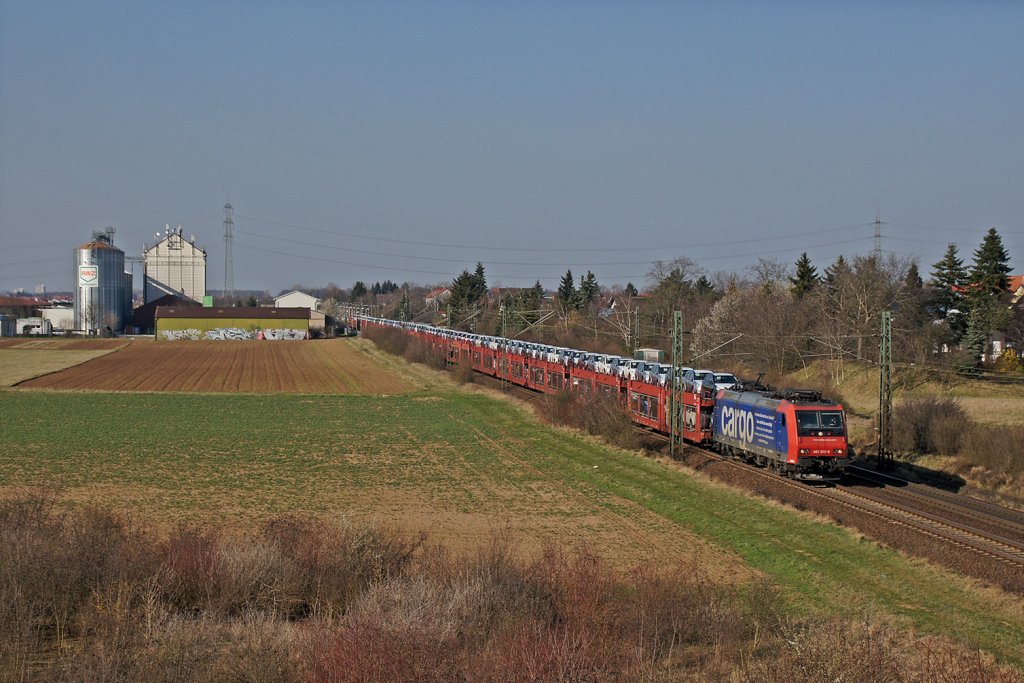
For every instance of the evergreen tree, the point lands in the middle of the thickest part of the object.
(991, 270)
(479, 283)
(703, 286)
(949, 280)
(989, 280)
(835, 273)
(567, 290)
(806, 276)
(913, 281)
(358, 290)
(536, 294)
(630, 290)
(589, 290)
(405, 307)
(976, 336)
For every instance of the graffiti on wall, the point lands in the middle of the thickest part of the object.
(178, 335)
(229, 334)
(284, 334)
(235, 334)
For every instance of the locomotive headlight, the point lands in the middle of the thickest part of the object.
(838, 451)
(804, 451)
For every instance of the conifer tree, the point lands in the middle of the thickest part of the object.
(835, 273)
(806, 276)
(991, 269)
(703, 286)
(913, 280)
(479, 283)
(567, 290)
(986, 292)
(588, 291)
(630, 290)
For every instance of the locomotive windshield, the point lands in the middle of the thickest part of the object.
(819, 423)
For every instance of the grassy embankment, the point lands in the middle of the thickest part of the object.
(463, 465)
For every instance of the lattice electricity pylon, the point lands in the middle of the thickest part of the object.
(885, 460)
(676, 424)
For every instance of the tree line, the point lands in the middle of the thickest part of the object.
(774, 317)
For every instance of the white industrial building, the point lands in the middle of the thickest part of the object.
(174, 265)
(297, 299)
(62, 318)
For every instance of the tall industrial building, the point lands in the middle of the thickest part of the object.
(174, 265)
(103, 290)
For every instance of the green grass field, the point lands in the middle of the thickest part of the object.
(463, 465)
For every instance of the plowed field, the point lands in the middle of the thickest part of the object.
(317, 367)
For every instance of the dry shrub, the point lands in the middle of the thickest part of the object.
(463, 371)
(85, 596)
(361, 652)
(1000, 448)
(254, 648)
(53, 564)
(333, 563)
(597, 415)
(864, 652)
(929, 425)
(389, 339)
(420, 351)
(296, 568)
(413, 349)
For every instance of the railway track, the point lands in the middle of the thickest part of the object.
(963, 527)
(1006, 521)
(1007, 550)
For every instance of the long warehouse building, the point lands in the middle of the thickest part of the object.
(250, 319)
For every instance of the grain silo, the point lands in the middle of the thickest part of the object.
(174, 265)
(103, 290)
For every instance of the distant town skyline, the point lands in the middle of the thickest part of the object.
(373, 141)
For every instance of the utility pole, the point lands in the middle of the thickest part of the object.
(503, 371)
(636, 329)
(885, 460)
(676, 420)
(229, 247)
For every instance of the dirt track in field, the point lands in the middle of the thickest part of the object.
(331, 366)
(51, 344)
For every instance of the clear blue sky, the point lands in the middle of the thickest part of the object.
(718, 130)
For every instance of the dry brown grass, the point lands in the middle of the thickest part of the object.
(20, 364)
(88, 596)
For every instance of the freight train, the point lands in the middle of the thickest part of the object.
(798, 433)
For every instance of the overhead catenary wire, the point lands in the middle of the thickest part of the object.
(547, 264)
(574, 249)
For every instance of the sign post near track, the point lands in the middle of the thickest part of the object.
(676, 421)
(885, 461)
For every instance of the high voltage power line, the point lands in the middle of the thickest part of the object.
(560, 264)
(485, 247)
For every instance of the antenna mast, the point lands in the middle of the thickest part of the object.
(229, 247)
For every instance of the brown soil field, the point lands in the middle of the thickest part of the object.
(333, 366)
